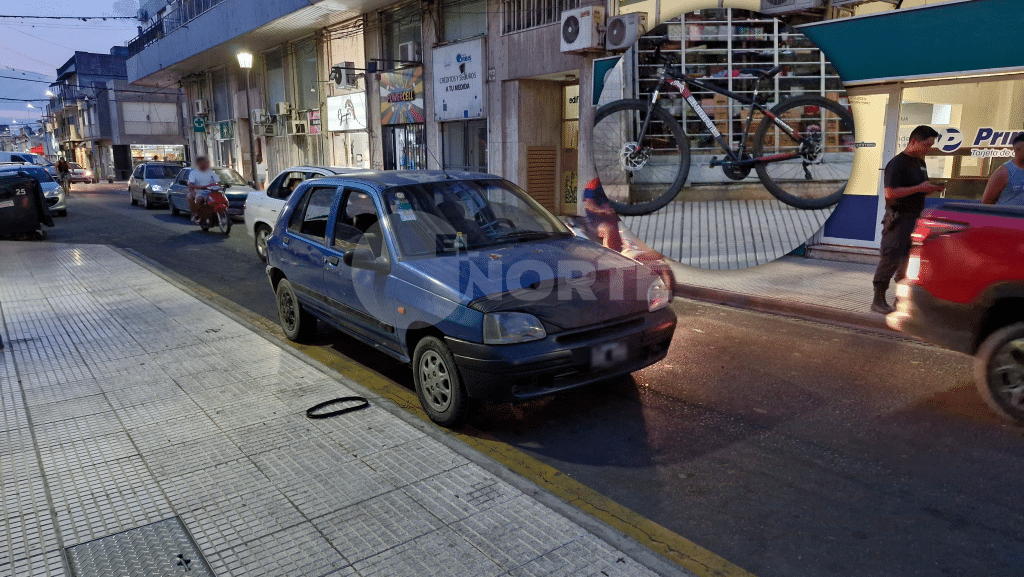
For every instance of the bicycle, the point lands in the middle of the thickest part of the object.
(802, 150)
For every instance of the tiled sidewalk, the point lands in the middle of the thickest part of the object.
(126, 401)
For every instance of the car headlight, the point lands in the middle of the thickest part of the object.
(658, 295)
(88, 173)
(156, 188)
(507, 328)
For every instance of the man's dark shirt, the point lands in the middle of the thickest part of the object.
(905, 171)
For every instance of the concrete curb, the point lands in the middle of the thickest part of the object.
(786, 307)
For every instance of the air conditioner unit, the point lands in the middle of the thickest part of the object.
(283, 108)
(409, 52)
(298, 128)
(581, 29)
(260, 116)
(200, 107)
(623, 30)
(343, 74)
(267, 130)
(142, 15)
(784, 6)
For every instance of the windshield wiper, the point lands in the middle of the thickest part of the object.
(521, 235)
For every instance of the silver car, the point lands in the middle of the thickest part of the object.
(56, 199)
(150, 182)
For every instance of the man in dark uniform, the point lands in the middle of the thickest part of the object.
(906, 185)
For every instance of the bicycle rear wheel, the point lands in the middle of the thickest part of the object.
(821, 160)
(640, 173)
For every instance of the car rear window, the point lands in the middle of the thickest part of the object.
(161, 171)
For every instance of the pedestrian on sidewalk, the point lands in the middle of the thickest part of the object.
(906, 185)
(1006, 185)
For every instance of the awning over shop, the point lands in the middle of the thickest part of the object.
(965, 37)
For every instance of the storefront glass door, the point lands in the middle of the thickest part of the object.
(464, 145)
(405, 147)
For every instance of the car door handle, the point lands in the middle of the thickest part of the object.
(285, 240)
(331, 260)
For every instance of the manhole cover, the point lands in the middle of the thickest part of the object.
(163, 549)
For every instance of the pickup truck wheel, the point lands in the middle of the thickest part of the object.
(999, 371)
(262, 236)
(438, 384)
(297, 323)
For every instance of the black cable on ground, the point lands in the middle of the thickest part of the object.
(312, 411)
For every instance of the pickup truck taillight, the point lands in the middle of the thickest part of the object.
(932, 227)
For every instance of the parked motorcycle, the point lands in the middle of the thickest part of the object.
(211, 210)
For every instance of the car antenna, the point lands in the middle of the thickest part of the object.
(439, 163)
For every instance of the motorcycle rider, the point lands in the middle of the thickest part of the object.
(200, 179)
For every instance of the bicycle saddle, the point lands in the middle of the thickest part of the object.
(765, 74)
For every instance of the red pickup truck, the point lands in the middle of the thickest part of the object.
(965, 291)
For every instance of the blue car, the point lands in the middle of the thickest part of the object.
(463, 275)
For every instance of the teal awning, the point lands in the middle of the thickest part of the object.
(939, 40)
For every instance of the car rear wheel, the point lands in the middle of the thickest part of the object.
(262, 236)
(298, 325)
(999, 371)
(174, 209)
(438, 384)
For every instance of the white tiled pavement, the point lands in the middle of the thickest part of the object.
(126, 400)
(726, 234)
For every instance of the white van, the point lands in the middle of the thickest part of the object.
(29, 158)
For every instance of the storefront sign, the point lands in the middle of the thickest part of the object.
(198, 124)
(951, 139)
(346, 113)
(459, 80)
(224, 130)
(401, 96)
(314, 122)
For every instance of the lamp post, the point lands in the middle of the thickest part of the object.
(245, 63)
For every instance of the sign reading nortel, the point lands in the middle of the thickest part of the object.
(459, 80)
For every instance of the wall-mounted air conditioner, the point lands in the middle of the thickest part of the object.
(623, 30)
(343, 74)
(200, 107)
(409, 52)
(283, 108)
(266, 130)
(298, 128)
(784, 6)
(582, 28)
(260, 116)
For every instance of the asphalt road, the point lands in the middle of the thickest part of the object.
(787, 447)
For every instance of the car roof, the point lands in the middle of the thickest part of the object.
(381, 179)
(161, 163)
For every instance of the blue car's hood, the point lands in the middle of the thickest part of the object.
(567, 283)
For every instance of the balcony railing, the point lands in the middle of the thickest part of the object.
(178, 14)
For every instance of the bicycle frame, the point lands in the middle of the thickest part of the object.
(682, 83)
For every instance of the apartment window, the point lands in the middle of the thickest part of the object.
(307, 76)
(401, 27)
(276, 91)
(221, 95)
(463, 19)
(523, 14)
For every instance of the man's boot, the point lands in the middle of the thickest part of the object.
(879, 305)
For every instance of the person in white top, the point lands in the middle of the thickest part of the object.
(200, 179)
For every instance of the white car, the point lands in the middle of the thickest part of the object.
(263, 206)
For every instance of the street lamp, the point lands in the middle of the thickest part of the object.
(29, 105)
(50, 93)
(245, 63)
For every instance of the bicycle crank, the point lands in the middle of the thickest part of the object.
(735, 169)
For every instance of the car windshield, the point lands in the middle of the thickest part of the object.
(448, 216)
(228, 176)
(39, 174)
(74, 166)
(161, 171)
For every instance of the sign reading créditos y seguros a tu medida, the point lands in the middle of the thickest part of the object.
(459, 80)
(986, 142)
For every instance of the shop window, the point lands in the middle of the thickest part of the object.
(405, 147)
(463, 19)
(523, 14)
(402, 35)
(464, 145)
(276, 91)
(307, 76)
(221, 95)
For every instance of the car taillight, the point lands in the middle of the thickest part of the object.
(932, 227)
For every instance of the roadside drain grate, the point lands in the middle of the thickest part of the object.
(162, 549)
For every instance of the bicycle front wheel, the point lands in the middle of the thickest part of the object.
(641, 169)
(811, 170)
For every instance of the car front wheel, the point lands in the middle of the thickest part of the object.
(999, 371)
(131, 198)
(438, 384)
(297, 323)
(262, 236)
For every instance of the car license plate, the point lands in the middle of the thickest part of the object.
(607, 355)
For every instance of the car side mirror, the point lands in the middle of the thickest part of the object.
(252, 184)
(362, 258)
